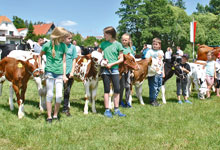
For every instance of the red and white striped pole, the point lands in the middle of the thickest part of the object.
(193, 34)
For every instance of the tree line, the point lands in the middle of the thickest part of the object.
(168, 20)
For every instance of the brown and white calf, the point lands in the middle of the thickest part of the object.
(129, 63)
(87, 70)
(18, 72)
(139, 76)
(40, 81)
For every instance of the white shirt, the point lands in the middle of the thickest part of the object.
(37, 48)
(180, 53)
(168, 55)
(78, 50)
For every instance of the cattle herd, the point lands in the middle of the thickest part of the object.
(18, 65)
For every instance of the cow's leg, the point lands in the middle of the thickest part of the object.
(86, 106)
(94, 98)
(2, 79)
(138, 89)
(130, 97)
(19, 101)
(11, 93)
(42, 103)
(1, 86)
(163, 94)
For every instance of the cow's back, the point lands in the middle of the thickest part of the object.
(6, 49)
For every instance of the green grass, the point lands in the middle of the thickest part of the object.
(171, 126)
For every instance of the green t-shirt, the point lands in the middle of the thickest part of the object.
(54, 65)
(128, 50)
(70, 55)
(111, 51)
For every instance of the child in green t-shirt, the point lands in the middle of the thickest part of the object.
(125, 80)
(71, 56)
(55, 70)
(113, 52)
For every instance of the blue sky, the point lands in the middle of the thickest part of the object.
(88, 17)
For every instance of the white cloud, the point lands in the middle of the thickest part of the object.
(68, 23)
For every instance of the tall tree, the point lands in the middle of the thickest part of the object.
(200, 8)
(78, 38)
(131, 20)
(180, 4)
(18, 22)
(214, 7)
(30, 34)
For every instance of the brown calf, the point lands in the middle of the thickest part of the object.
(18, 72)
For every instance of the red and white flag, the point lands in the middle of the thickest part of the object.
(192, 31)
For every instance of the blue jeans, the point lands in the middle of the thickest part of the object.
(154, 82)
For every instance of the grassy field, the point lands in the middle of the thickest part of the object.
(171, 126)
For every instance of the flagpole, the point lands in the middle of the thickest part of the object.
(193, 43)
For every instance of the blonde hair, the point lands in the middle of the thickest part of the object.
(129, 36)
(57, 36)
(157, 40)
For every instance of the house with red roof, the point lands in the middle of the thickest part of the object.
(39, 29)
(8, 32)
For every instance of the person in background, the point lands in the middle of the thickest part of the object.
(125, 80)
(113, 52)
(38, 45)
(181, 83)
(168, 55)
(55, 70)
(144, 51)
(210, 73)
(218, 75)
(96, 46)
(155, 77)
(179, 54)
(78, 49)
(71, 56)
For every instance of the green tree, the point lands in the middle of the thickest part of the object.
(214, 7)
(89, 41)
(131, 20)
(30, 34)
(180, 4)
(78, 38)
(18, 22)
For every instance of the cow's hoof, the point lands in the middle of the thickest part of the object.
(142, 103)
(20, 115)
(11, 108)
(94, 111)
(86, 112)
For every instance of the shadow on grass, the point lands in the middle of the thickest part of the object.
(15, 112)
(80, 103)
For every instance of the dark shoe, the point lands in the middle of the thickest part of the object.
(155, 104)
(67, 112)
(129, 105)
(56, 119)
(49, 120)
(122, 104)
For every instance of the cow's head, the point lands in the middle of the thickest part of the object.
(98, 59)
(33, 66)
(129, 61)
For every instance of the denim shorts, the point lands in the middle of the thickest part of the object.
(110, 71)
(53, 75)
